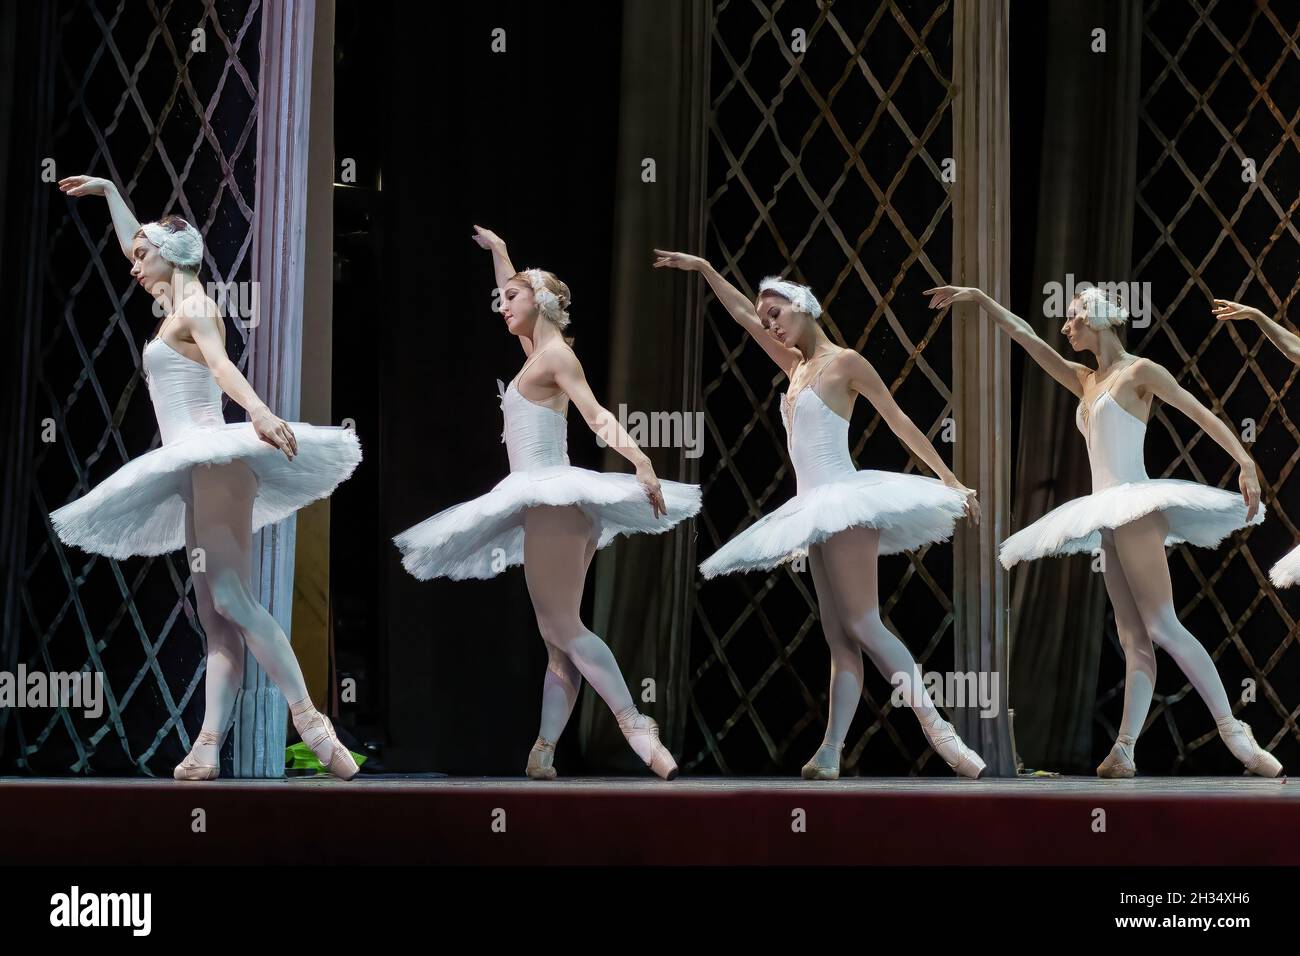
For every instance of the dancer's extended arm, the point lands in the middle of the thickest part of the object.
(570, 378)
(1070, 374)
(866, 381)
(735, 302)
(1160, 382)
(200, 317)
(1278, 334)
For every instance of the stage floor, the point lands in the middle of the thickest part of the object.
(436, 819)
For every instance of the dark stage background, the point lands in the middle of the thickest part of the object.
(523, 144)
(445, 133)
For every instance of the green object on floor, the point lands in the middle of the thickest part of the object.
(300, 757)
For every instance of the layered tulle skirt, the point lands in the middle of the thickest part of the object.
(140, 508)
(1197, 514)
(482, 537)
(1286, 573)
(909, 510)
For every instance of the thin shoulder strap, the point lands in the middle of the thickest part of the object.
(828, 361)
(528, 362)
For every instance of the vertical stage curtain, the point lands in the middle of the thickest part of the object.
(981, 385)
(311, 581)
(1087, 192)
(642, 585)
(275, 341)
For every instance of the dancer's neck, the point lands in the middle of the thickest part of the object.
(1109, 352)
(816, 344)
(544, 334)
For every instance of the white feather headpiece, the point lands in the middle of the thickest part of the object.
(548, 303)
(800, 296)
(1099, 311)
(183, 248)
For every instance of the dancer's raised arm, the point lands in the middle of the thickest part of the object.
(1278, 334)
(735, 302)
(502, 267)
(124, 222)
(1070, 374)
(866, 381)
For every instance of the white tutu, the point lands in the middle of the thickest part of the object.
(482, 537)
(1286, 572)
(1197, 515)
(832, 495)
(909, 510)
(140, 508)
(1122, 492)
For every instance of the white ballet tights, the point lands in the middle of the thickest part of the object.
(844, 576)
(557, 552)
(1137, 579)
(219, 522)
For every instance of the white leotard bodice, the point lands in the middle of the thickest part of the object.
(816, 437)
(185, 396)
(535, 436)
(1115, 438)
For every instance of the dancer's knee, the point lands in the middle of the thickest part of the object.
(869, 630)
(559, 631)
(231, 598)
(1138, 649)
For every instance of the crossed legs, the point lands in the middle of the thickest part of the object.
(558, 547)
(219, 523)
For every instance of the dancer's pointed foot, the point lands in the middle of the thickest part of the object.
(1119, 762)
(642, 735)
(1241, 741)
(825, 763)
(317, 732)
(540, 759)
(207, 745)
(943, 738)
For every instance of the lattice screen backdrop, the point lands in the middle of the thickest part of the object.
(177, 128)
(1221, 86)
(824, 167)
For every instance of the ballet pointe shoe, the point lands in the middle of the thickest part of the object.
(1119, 762)
(190, 768)
(943, 738)
(539, 761)
(642, 735)
(1241, 741)
(317, 732)
(825, 763)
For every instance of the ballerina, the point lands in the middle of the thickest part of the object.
(1129, 516)
(211, 484)
(551, 516)
(1286, 572)
(840, 518)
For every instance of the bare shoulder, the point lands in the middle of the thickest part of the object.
(1151, 375)
(852, 366)
(198, 312)
(561, 360)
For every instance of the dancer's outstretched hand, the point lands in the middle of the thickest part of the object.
(487, 239)
(85, 186)
(1227, 310)
(1249, 484)
(943, 296)
(275, 431)
(972, 501)
(678, 260)
(650, 483)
